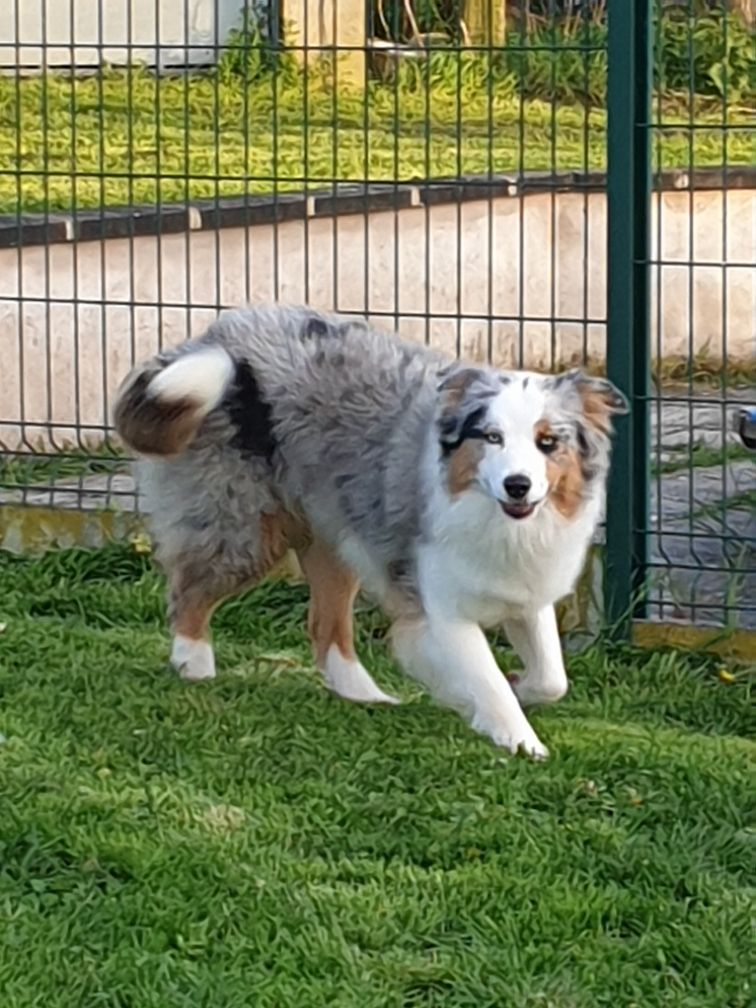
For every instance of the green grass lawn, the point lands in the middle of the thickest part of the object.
(131, 138)
(258, 842)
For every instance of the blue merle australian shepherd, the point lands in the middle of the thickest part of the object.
(460, 496)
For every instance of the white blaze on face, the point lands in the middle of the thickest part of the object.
(515, 412)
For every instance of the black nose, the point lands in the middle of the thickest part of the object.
(517, 486)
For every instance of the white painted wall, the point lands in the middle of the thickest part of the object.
(59, 362)
(87, 33)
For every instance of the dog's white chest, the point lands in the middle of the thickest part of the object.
(485, 570)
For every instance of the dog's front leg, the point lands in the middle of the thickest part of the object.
(453, 659)
(535, 638)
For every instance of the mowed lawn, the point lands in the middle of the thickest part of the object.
(125, 138)
(257, 842)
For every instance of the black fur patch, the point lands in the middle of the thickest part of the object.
(316, 327)
(470, 429)
(251, 415)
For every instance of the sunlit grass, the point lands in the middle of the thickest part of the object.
(255, 841)
(126, 138)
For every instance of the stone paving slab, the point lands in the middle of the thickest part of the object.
(703, 552)
(103, 491)
(677, 426)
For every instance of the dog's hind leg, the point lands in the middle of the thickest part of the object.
(535, 638)
(333, 589)
(196, 586)
(193, 595)
(191, 601)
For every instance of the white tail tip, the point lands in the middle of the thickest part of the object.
(200, 375)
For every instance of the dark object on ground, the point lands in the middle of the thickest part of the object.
(745, 426)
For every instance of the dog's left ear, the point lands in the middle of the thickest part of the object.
(456, 379)
(600, 399)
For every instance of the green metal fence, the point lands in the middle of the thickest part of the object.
(627, 347)
(681, 525)
(572, 182)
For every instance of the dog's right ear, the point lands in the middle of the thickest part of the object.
(599, 399)
(463, 394)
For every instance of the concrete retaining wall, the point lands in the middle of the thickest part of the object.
(97, 292)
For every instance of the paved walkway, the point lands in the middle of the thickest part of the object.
(703, 552)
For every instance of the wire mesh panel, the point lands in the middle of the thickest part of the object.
(702, 529)
(426, 165)
(438, 166)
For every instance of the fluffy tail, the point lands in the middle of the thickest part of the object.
(159, 408)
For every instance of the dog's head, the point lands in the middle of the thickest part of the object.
(526, 440)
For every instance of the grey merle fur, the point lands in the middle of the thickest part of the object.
(326, 420)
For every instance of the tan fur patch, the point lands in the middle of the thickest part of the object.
(333, 589)
(192, 621)
(564, 474)
(195, 592)
(191, 601)
(275, 527)
(542, 429)
(455, 388)
(566, 483)
(463, 466)
(598, 410)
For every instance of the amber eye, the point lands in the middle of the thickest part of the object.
(494, 437)
(546, 443)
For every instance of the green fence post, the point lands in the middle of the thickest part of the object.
(628, 337)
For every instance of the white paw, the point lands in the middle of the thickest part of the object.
(193, 659)
(535, 693)
(351, 680)
(513, 738)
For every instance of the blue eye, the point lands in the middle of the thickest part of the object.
(494, 437)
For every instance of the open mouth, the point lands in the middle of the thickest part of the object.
(517, 510)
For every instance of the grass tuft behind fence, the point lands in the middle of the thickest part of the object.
(127, 137)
